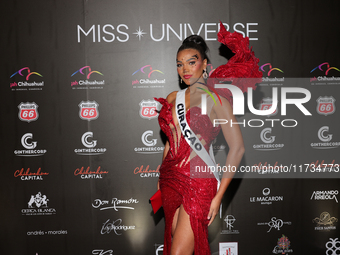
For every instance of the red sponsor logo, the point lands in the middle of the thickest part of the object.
(322, 164)
(326, 105)
(82, 170)
(27, 175)
(88, 110)
(267, 104)
(28, 111)
(13, 84)
(28, 172)
(74, 83)
(146, 171)
(148, 109)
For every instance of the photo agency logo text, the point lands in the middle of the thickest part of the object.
(238, 106)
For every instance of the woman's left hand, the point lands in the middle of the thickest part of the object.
(214, 207)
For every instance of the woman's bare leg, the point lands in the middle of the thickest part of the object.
(183, 236)
(174, 222)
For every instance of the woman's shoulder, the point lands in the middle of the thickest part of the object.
(171, 97)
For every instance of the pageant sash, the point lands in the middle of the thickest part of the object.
(190, 136)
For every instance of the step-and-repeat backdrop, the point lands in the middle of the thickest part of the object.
(81, 146)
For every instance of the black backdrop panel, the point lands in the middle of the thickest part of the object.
(81, 145)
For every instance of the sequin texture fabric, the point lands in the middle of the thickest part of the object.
(177, 184)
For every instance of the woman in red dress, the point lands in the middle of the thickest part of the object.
(190, 204)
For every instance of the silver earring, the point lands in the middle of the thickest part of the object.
(181, 80)
(205, 75)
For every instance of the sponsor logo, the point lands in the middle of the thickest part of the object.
(159, 249)
(88, 83)
(149, 109)
(88, 110)
(146, 77)
(115, 226)
(30, 146)
(274, 223)
(217, 146)
(88, 174)
(229, 228)
(333, 246)
(239, 103)
(114, 204)
(150, 143)
(283, 245)
(146, 171)
(228, 248)
(325, 137)
(49, 232)
(90, 145)
(325, 195)
(325, 222)
(268, 141)
(102, 252)
(326, 105)
(322, 75)
(322, 166)
(266, 199)
(269, 71)
(26, 85)
(30, 176)
(37, 205)
(108, 33)
(28, 111)
(266, 104)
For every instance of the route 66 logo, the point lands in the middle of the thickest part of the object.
(88, 110)
(28, 111)
(325, 105)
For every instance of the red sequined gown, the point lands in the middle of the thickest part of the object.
(177, 185)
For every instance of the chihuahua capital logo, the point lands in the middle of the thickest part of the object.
(87, 72)
(23, 85)
(145, 78)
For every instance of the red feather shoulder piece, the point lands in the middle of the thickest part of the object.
(242, 65)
